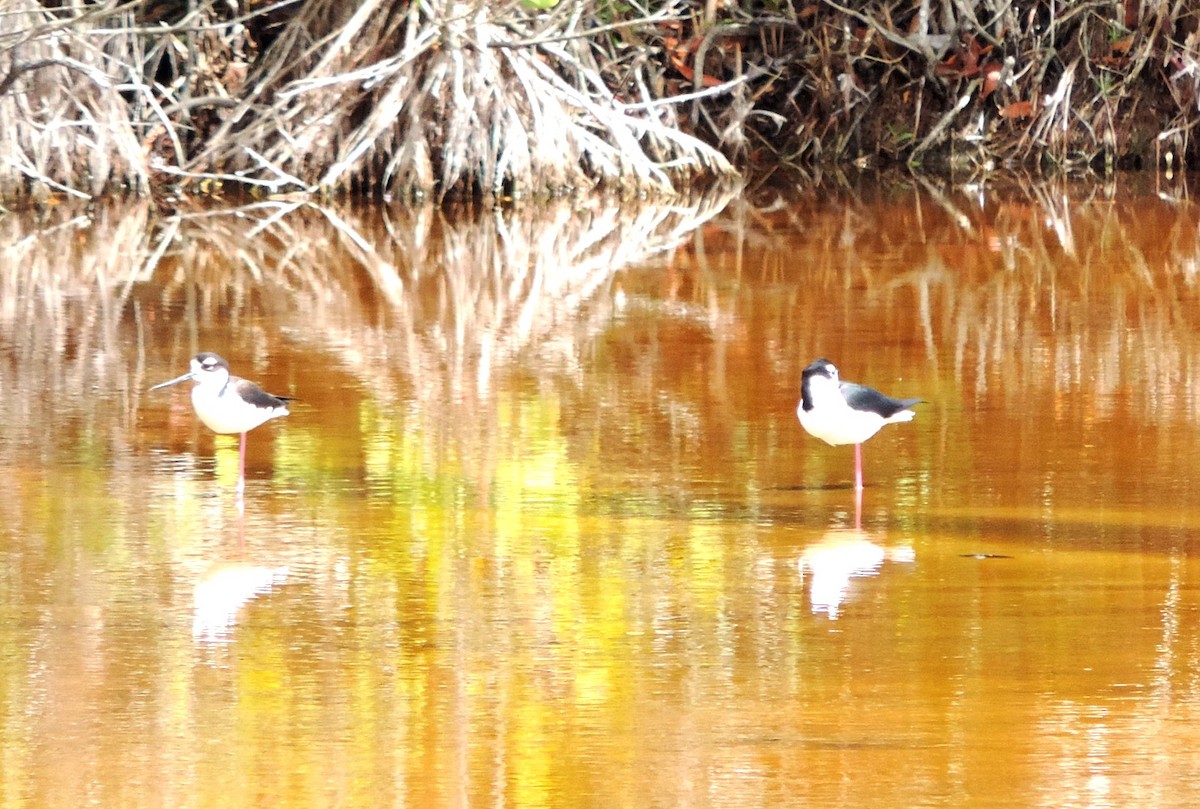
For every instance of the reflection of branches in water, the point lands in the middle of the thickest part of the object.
(64, 290)
(446, 303)
(1018, 291)
(1090, 303)
(441, 300)
(1014, 291)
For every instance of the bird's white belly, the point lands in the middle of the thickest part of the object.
(229, 414)
(837, 423)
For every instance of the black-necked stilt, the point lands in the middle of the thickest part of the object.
(228, 404)
(840, 412)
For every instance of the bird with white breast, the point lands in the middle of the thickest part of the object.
(840, 413)
(228, 404)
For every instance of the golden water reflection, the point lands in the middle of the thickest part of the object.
(542, 529)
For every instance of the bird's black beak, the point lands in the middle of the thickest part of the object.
(174, 381)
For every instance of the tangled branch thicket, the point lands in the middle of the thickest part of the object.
(468, 98)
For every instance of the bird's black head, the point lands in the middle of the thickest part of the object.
(208, 361)
(823, 367)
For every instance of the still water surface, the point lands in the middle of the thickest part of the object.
(542, 528)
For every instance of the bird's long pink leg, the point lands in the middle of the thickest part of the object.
(857, 467)
(241, 485)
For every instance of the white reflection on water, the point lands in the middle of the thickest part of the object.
(840, 555)
(221, 593)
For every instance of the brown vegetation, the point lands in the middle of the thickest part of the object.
(472, 99)
(980, 85)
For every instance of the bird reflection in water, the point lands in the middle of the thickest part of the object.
(841, 555)
(221, 593)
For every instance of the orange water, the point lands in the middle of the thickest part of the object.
(542, 528)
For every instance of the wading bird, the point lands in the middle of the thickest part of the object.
(840, 412)
(228, 404)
